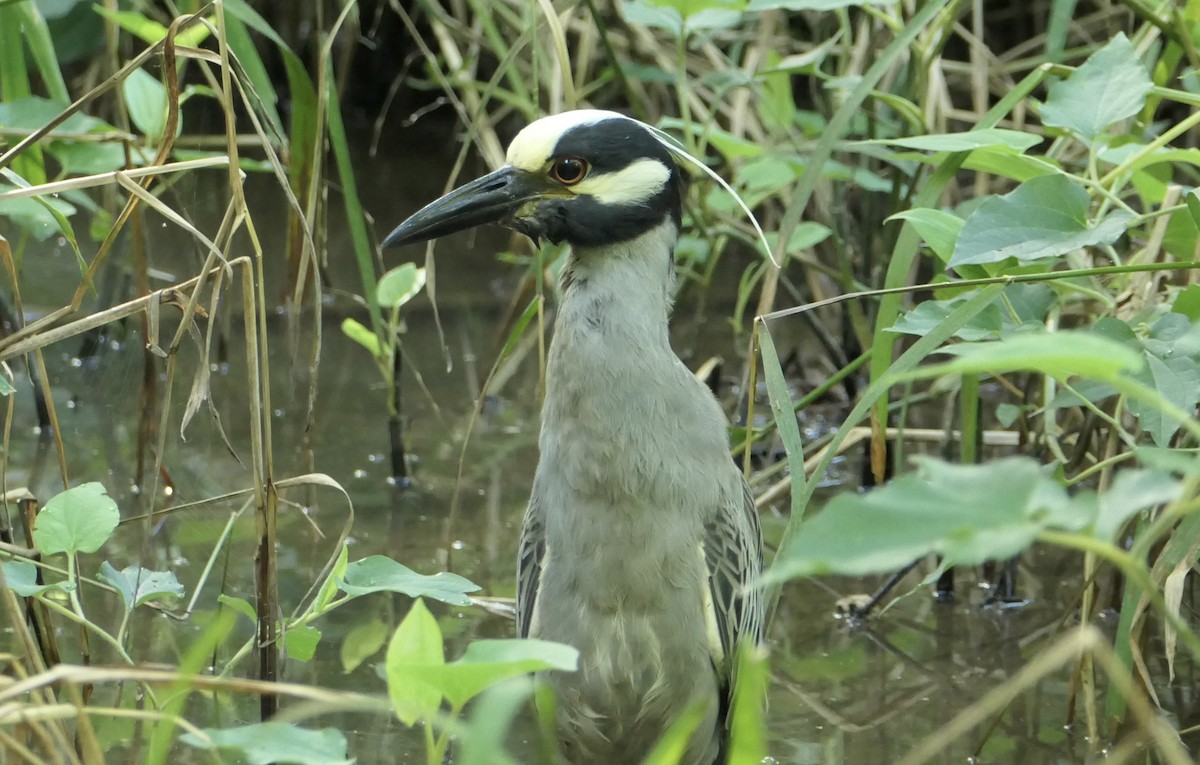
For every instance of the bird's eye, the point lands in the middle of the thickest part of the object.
(568, 170)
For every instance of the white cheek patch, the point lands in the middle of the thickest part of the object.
(532, 147)
(630, 185)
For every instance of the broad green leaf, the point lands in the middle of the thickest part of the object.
(813, 5)
(487, 662)
(91, 158)
(1059, 354)
(240, 605)
(146, 99)
(150, 30)
(1187, 302)
(1132, 491)
(400, 285)
(416, 645)
(1193, 205)
(732, 146)
(1024, 309)
(968, 141)
(42, 216)
(6, 386)
(966, 513)
(1177, 379)
(938, 228)
(1182, 236)
(272, 742)
(21, 578)
(301, 642)
(763, 176)
(1007, 414)
(361, 335)
(1110, 86)
(1172, 353)
(1180, 461)
(1002, 161)
(362, 642)
(805, 235)
(1171, 350)
(681, 16)
(32, 112)
(78, 520)
(138, 585)
(378, 573)
(1042, 218)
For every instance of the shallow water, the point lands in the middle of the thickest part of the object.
(840, 694)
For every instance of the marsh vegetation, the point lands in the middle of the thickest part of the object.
(262, 486)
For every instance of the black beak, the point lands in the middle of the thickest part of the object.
(494, 198)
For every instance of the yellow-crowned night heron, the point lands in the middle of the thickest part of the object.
(641, 534)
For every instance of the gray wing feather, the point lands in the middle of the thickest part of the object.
(530, 552)
(733, 552)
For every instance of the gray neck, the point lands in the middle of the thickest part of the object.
(623, 291)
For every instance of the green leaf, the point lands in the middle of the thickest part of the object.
(138, 585)
(77, 520)
(1007, 414)
(6, 386)
(240, 605)
(41, 216)
(938, 228)
(1110, 86)
(21, 578)
(301, 642)
(378, 573)
(1187, 302)
(1172, 352)
(1059, 354)
(416, 644)
(748, 729)
(1177, 379)
(1024, 309)
(1172, 460)
(146, 99)
(32, 112)
(805, 235)
(1193, 206)
(968, 141)
(682, 16)
(813, 5)
(361, 335)
(329, 587)
(1132, 491)
(272, 742)
(151, 31)
(1042, 218)
(362, 642)
(487, 662)
(966, 513)
(400, 285)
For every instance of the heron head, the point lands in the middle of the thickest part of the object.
(585, 177)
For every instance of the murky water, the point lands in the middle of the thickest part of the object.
(840, 695)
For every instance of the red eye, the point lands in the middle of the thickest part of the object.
(568, 170)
